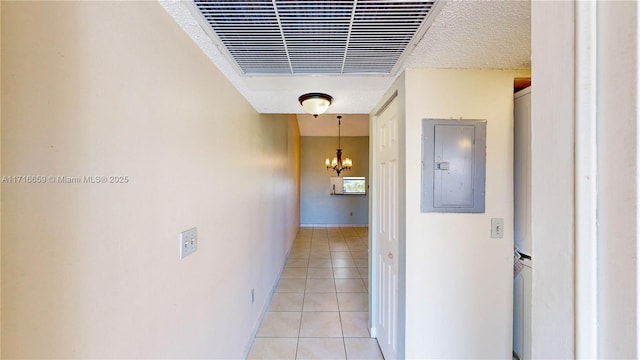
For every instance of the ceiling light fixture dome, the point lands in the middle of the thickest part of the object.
(315, 103)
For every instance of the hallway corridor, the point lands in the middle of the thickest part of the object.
(320, 308)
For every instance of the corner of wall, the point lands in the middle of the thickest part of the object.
(291, 214)
(0, 185)
(552, 178)
(437, 243)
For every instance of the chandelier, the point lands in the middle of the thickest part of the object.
(338, 164)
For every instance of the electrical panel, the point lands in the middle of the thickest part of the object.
(453, 165)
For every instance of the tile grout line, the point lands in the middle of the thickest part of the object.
(344, 344)
(304, 292)
(319, 238)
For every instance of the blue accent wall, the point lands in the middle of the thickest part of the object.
(317, 205)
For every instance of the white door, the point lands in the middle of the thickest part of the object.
(386, 229)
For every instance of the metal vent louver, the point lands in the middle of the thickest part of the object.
(315, 37)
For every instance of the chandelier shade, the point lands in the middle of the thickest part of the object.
(338, 164)
(315, 103)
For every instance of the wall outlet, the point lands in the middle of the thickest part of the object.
(188, 242)
(497, 228)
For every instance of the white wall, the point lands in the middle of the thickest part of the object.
(0, 186)
(605, 276)
(459, 280)
(617, 111)
(92, 270)
(552, 190)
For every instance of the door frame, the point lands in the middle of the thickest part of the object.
(374, 303)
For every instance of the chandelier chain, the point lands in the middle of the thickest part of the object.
(339, 164)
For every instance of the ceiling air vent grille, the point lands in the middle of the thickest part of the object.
(315, 37)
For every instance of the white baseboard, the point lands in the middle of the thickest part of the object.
(256, 326)
(332, 225)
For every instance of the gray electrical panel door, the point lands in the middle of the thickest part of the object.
(453, 165)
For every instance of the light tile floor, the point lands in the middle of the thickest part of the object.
(320, 307)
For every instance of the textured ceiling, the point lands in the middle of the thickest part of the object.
(477, 34)
(464, 34)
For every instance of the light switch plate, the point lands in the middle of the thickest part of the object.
(497, 228)
(188, 242)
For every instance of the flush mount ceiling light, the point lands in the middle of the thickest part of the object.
(315, 103)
